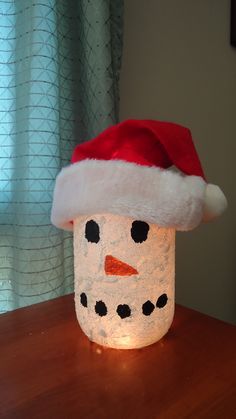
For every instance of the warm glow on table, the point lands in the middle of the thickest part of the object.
(49, 369)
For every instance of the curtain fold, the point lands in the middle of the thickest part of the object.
(59, 73)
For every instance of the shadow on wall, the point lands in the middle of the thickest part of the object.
(202, 271)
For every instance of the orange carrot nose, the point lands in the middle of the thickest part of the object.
(115, 266)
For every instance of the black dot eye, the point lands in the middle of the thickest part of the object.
(139, 231)
(92, 231)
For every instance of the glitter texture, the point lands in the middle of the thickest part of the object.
(153, 264)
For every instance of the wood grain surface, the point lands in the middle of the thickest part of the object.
(49, 369)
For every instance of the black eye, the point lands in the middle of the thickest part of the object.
(92, 231)
(139, 231)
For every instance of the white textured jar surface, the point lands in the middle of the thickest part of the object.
(124, 280)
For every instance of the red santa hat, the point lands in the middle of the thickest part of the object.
(144, 169)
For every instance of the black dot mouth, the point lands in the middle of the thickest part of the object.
(162, 301)
(101, 308)
(148, 308)
(124, 310)
(83, 299)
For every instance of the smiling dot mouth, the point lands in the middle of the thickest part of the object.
(124, 310)
(114, 266)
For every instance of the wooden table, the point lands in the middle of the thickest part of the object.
(49, 369)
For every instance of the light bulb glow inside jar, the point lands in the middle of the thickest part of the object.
(124, 280)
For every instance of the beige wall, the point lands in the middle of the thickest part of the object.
(178, 66)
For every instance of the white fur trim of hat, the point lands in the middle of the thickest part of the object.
(163, 197)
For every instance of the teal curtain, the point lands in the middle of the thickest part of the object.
(59, 73)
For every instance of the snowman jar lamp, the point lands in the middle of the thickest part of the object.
(124, 196)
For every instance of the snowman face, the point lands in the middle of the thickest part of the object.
(124, 279)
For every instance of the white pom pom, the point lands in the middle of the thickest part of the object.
(215, 203)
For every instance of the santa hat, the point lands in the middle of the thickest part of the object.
(144, 169)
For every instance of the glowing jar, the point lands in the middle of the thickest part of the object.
(124, 280)
(125, 194)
